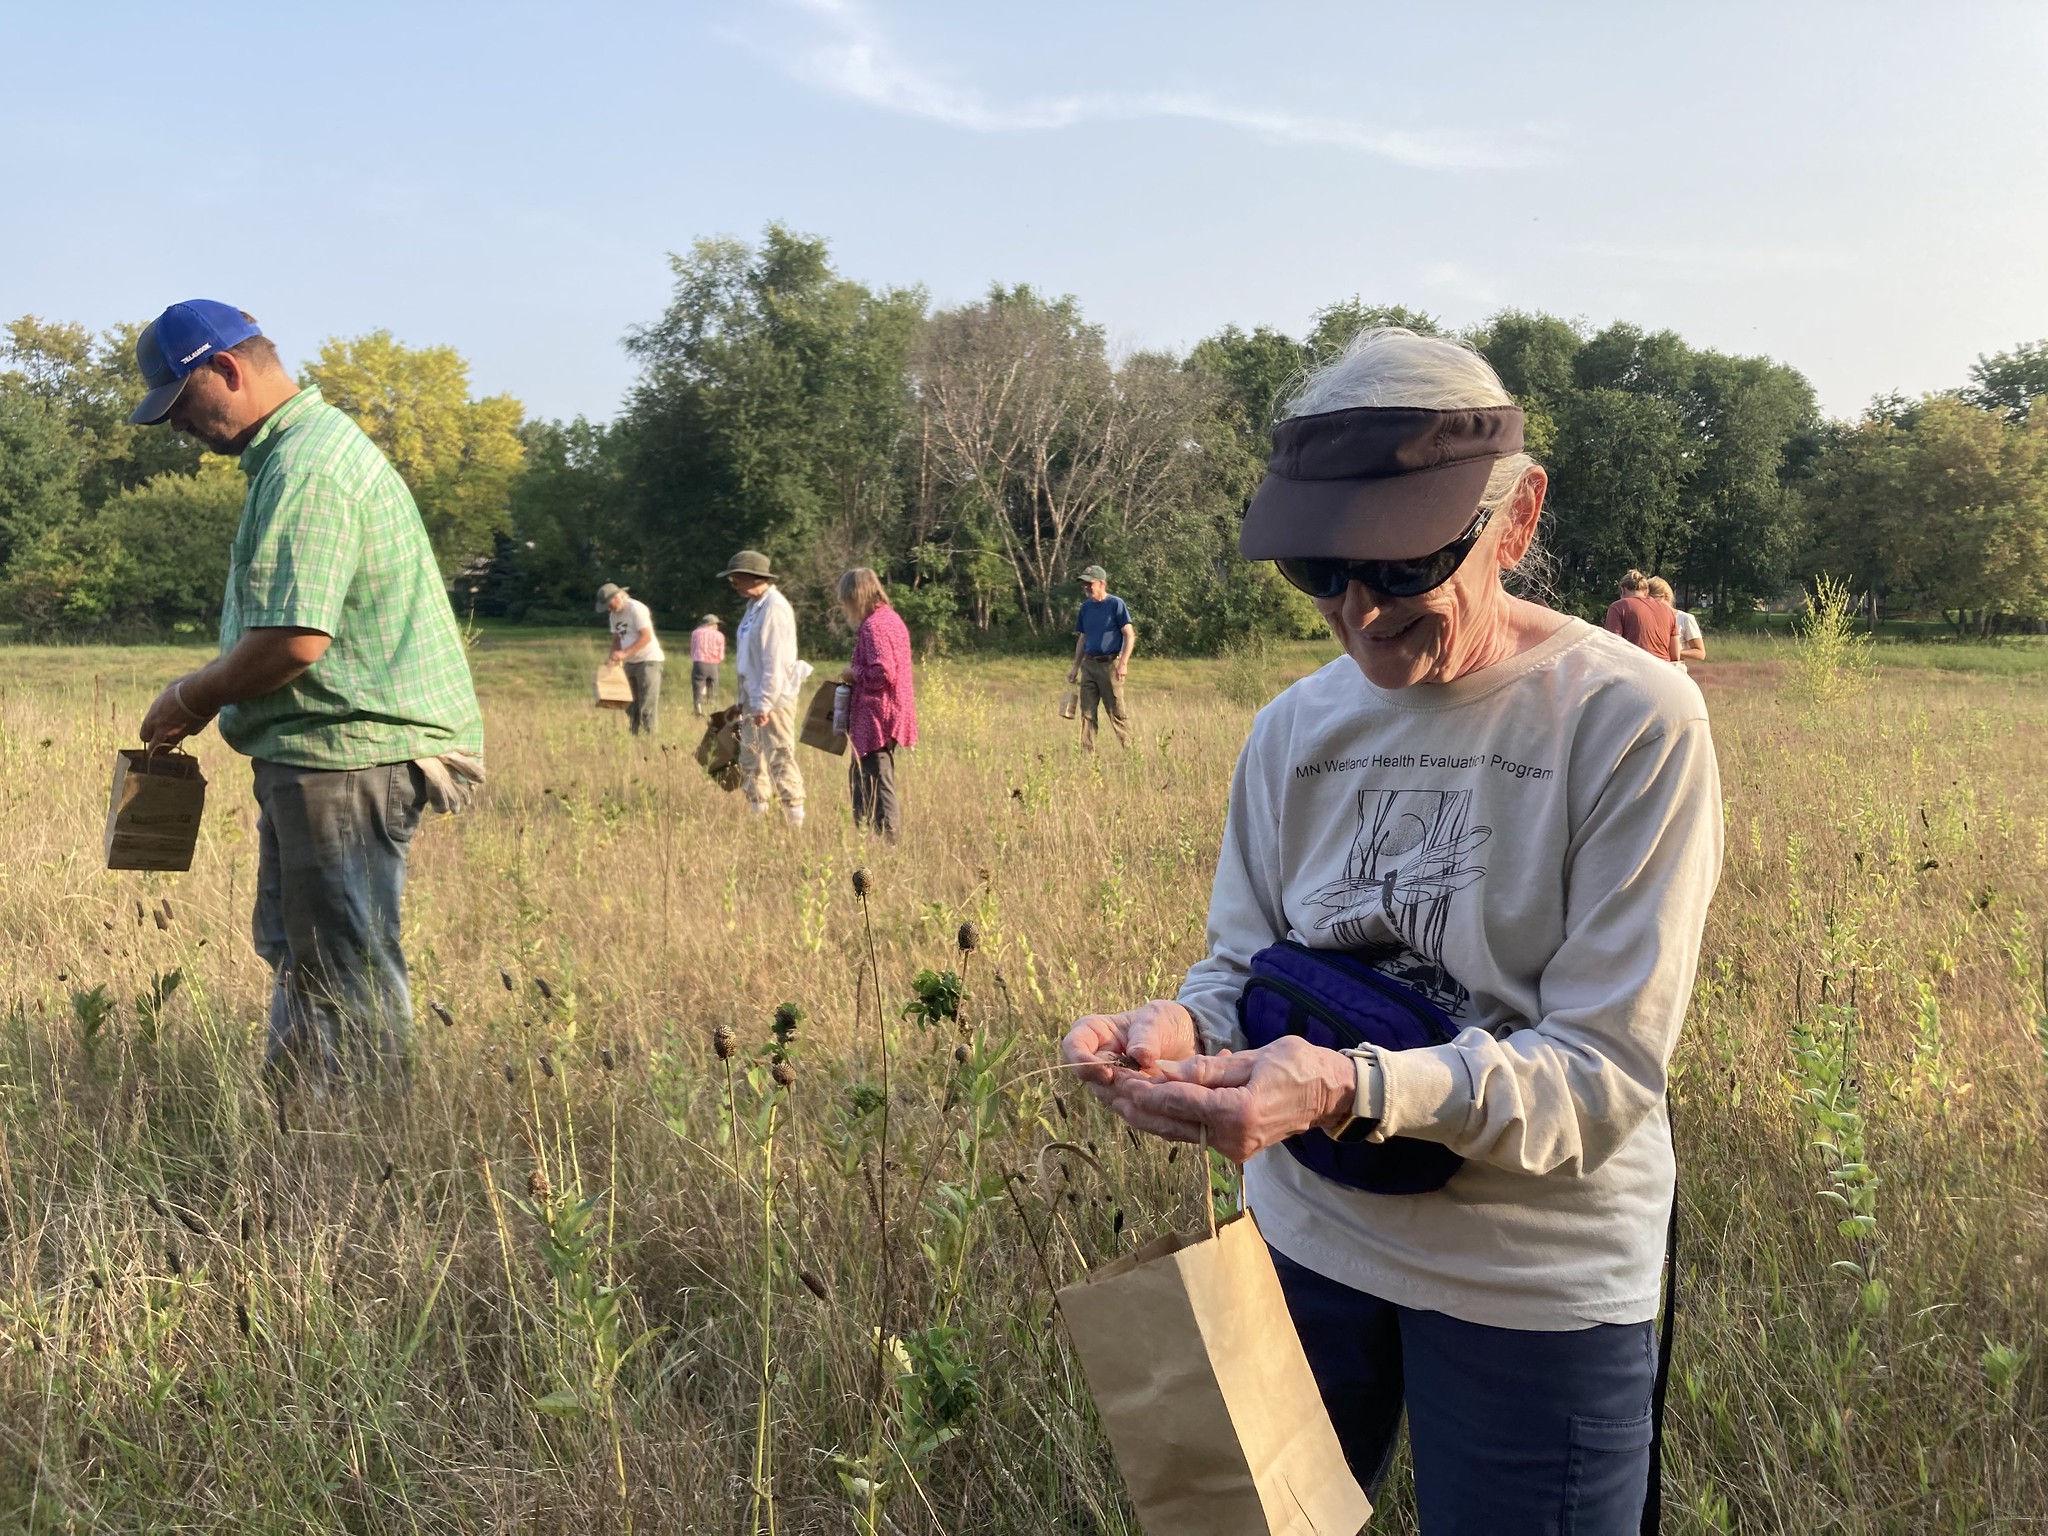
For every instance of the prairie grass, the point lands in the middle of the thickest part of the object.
(588, 1274)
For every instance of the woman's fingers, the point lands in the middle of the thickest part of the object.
(1232, 1069)
(1091, 1047)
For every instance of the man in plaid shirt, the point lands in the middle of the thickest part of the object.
(341, 674)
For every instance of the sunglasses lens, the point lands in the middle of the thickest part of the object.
(1318, 578)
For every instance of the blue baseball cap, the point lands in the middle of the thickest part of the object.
(176, 342)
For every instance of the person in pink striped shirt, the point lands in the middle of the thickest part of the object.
(882, 713)
(707, 650)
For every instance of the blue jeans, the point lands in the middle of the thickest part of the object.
(330, 872)
(1512, 1433)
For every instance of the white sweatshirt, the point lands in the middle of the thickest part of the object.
(1534, 846)
(764, 654)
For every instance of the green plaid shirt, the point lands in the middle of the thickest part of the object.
(330, 540)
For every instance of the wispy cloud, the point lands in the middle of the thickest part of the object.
(852, 56)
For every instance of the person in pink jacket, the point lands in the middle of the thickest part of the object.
(882, 713)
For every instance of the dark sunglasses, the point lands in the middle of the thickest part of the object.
(1328, 579)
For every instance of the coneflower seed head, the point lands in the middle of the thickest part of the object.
(968, 938)
(722, 1039)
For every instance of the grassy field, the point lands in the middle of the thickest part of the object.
(588, 1276)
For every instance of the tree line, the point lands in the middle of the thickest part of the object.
(978, 455)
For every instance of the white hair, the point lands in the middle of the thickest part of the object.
(1392, 365)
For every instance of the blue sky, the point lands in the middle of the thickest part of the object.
(1858, 189)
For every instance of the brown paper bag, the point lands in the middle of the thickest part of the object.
(1070, 703)
(154, 810)
(719, 749)
(1207, 1399)
(817, 727)
(613, 691)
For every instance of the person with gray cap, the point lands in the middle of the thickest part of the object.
(637, 648)
(1103, 642)
(1455, 922)
(341, 673)
(770, 677)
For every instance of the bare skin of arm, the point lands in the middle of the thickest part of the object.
(262, 661)
(1123, 661)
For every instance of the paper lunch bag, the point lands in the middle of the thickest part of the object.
(1202, 1387)
(817, 726)
(153, 812)
(613, 691)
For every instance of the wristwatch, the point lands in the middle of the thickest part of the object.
(1358, 1127)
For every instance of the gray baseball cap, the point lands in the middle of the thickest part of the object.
(606, 593)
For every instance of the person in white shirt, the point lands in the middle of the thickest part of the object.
(637, 648)
(1517, 817)
(1692, 644)
(770, 677)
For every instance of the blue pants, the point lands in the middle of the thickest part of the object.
(1512, 1433)
(332, 847)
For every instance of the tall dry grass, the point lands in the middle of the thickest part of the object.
(587, 1274)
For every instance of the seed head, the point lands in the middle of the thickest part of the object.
(547, 992)
(787, 1017)
(163, 924)
(547, 1068)
(389, 1169)
(506, 977)
(814, 1285)
(171, 1258)
(722, 1041)
(862, 882)
(604, 1057)
(169, 915)
(537, 1186)
(968, 938)
(441, 1013)
(248, 1226)
(784, 1074)
(961, 1053)
(510, 1075)
(242, 1318)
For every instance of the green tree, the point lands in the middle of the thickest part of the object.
(1941, 505)
(1332, 327)
(91, 384)
(770, 402)
(155, 556)
(566, 536)
(41, 465)
(1256, 372)
(1534, 354)
(459, 456)
(2010, 381)
(1619, 464)
(1756, 421)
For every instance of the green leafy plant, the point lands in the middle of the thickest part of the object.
(937, 1000)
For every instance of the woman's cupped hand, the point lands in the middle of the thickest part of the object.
(1143, 1066)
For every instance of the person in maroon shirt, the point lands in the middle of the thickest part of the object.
(882, 713)
(1643, 621)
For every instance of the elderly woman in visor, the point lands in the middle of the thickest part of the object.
(1512, 820)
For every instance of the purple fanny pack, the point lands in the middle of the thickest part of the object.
(1337, 1001)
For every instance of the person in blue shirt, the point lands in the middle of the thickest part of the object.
(1103, 640)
